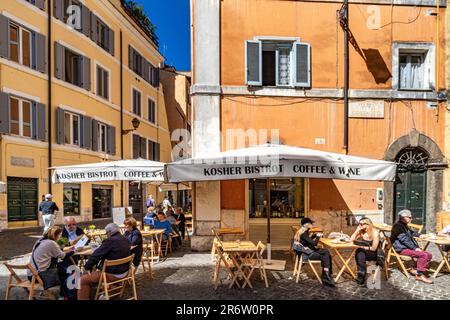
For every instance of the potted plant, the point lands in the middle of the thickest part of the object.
(63, 242)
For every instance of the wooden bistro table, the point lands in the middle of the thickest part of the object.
(439, 241)
(384, 228)
(153, 235)
(220, 232)
(337, 248)
(245, 259)
(84, 254)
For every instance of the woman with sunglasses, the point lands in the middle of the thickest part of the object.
(368, 238)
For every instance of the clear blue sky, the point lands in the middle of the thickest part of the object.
(172, 19)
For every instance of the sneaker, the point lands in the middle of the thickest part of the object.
(423, 278)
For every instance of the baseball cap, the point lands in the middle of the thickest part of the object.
(405, 213)
(305, 221)
(48, 196)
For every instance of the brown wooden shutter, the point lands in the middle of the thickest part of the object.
(143, 148)
(40, 4)
(4, 37)
(130, 57)
(136, 146)
(58, 9)
(157, 152)
(41, 54)
(86, 73)
(4, 112)
(86, 130)
(60, 126)
(59, 61)
(112, 140)
(41, 121)
(146, 70)
(95, 135)
(93, 27)
(85, 21)
(111, 42)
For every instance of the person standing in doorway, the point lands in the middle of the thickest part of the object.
(48, 208)
(150, 201)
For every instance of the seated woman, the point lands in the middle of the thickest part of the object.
(369, 238)
(45, 255)
(309, 248)
(135, 237)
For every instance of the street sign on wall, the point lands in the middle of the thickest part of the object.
(366, 109)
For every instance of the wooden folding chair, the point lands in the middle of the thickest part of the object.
(216, 239)
(294, 231)
(416, 227)
(399, 259)
(147, 257)
(299, 261)
(222, 260)
(167, 245)
(15, 281)
(116, 287)
(259, 262)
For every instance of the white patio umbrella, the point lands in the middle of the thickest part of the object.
(278, 161)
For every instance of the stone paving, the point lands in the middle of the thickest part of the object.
(188, 275)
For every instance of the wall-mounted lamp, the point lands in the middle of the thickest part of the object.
(135, 122)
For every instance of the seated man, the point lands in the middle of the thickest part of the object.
(445, 233)
(174, 224)
(163, 223)
(71, 231)
(404, 242)
(116, 246)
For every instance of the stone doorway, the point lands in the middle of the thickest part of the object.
(411, 148)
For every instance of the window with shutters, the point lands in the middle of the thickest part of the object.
(102, 137)
(278, 63)
(151, 110)
(69, 11)
(136, 61)
(20, 117)
(102, 82)
(20, 44)
(139, 147)
(73, 67)
(136, 102)
(71, 129)
(102, 31)
(153, 150)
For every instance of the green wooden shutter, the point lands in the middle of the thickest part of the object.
(253, 58)
(302, 65)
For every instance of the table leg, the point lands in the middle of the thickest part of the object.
(443, 262)
(345, 264)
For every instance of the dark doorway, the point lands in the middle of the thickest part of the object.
(22, 199)
(102, 201)
(135, 197)
(410, 186)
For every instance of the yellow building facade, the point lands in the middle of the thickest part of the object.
(104, 73)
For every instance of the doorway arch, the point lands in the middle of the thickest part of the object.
(416, 151)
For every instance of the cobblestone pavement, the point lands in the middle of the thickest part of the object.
(189, 275)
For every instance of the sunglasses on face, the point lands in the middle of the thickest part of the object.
(363, 224)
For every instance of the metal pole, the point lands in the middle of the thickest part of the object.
(121, 114)
(269, 247)
(346, 76)
(49, 107)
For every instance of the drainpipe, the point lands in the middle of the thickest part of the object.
(121, 113)
(346, 78)
(49, 102)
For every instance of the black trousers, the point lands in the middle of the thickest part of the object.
(324, 256)
(362, 256)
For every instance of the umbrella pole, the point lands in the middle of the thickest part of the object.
(177, 195)
(269, 247)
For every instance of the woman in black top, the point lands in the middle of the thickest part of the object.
(368, 238)
(179, 216)
(310, 249)
(135, 237)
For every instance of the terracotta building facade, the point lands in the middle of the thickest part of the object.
(278, 68)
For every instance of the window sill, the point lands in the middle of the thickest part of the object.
(413, 90)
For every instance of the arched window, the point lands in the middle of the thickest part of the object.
(412, 159)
